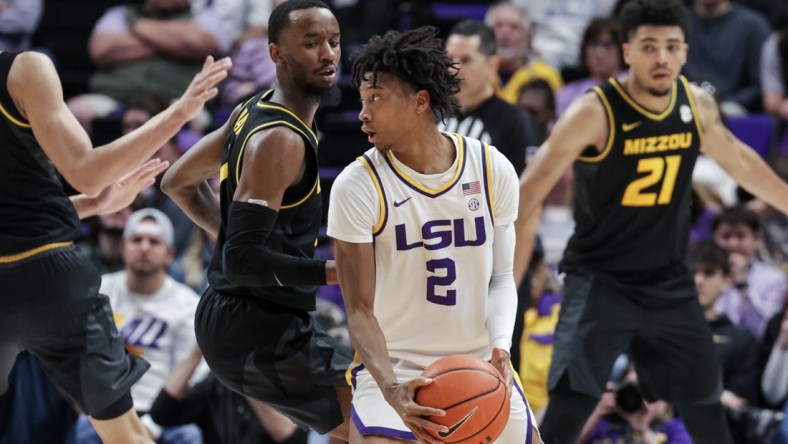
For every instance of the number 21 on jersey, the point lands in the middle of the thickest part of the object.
(658, 170)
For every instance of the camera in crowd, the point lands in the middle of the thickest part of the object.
(628, 398)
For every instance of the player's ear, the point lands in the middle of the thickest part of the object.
(275, 51)
(422, 100)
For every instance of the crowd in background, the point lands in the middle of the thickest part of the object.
(538, 57)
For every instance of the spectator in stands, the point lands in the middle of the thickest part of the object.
(18, 21)
(623, 415)
(537, 98)
(774, 359)
(104, 240)
(759, 288)
(154, 315)
(774, 224)
(483, 115)
(773, 72)
(149, 49)
(736, 346)
(154, 197)
(558, 27)
(246, 25)
(518, 64)
(533, 342)
(600, 56)
(732, 73)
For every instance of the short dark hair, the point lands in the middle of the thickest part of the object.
(710, 254)
(470, 28)
(415, 57)
(639, 13)
(738, 215)
(280, 16)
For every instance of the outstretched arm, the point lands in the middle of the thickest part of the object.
(35, 88)
(583, 125)
(740, 161)
(120, 194)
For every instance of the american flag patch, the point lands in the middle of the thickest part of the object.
(471, 188)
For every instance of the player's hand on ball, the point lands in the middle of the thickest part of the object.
(500, 360)
(414, 415)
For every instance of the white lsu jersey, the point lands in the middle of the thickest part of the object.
(433, 239)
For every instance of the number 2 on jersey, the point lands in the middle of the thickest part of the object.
(450, 296)
(664, 169)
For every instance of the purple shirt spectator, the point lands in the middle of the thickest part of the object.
(752, 307)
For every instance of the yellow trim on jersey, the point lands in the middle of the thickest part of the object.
(694, 108)
(254, 130)
(489, 184)
(611, 130)
(383, 210)
(449, 184)
(12, 118)
(32, 252)
(283, 109)
(625, 95)
(315, 187)
(224, 171)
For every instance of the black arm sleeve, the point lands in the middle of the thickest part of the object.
(167, 411)
(249, 262)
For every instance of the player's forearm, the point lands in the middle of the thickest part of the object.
(502, 297)
(105, 164)
(201, 204)
(85, 205)
(370, 344)
(754, 174)
(526, 230)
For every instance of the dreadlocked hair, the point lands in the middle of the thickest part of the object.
(415, 57)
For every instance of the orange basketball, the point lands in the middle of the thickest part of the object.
(473, 395)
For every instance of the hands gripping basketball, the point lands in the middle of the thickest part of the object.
(401, 396)
(500, 360)
(473, 396)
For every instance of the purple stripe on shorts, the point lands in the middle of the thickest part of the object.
(383, 431)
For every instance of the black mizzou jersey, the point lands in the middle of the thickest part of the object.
(297, 224)
(37, 213)
(632, 199)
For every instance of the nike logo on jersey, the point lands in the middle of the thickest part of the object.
(459, 424)
(630, 126)
(396, 204)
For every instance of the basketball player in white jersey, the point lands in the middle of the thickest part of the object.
(424, 243)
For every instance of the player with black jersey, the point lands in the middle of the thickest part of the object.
(628, 288)
(51, 305)
(252, 323)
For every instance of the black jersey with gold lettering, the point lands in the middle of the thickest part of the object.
(36, 212)
(297, 224)
(632, 199)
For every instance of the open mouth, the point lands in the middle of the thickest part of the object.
(370, 134)
(329, 72)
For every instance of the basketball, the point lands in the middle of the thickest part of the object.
(473, 395)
